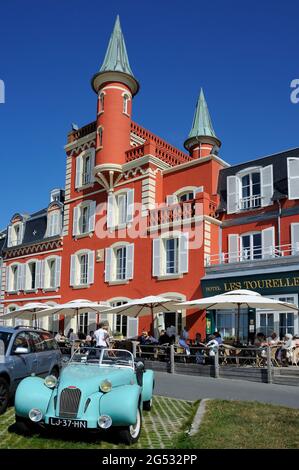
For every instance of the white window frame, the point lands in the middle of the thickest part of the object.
(75, 268)
(126, 98)
(277, 313)
(12, 284)
(293, 179)
(54, 223)
(111, 263)
(113, 208)
(251, 248)
(159, 268)
(28, 275)
(77, 218)
(13, 238)
(255, 201)
(79, 164)
(46, 273)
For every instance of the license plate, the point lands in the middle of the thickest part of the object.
(68, 423)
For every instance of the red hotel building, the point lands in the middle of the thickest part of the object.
(140, 217)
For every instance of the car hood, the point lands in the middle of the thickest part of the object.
(88, 377)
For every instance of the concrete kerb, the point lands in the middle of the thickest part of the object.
(198, 416)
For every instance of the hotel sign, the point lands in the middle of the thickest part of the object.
(279, 283)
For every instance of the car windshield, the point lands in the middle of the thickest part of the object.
(103, 357)
(4, 341)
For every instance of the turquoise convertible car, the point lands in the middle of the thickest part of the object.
(97, 389)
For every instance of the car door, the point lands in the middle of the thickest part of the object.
(43, 352)
(22, 365)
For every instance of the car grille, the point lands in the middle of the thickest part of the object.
(69, 402)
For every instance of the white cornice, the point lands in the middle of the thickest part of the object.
(79, 142)
(146, 159)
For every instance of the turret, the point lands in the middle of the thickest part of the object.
(202, 138)
(115, 86)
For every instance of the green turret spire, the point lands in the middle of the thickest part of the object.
(116, 58)
(202, 124)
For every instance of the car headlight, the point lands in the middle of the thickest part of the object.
(50, 381)
(35, 415)
(105, 422)
(106, 386)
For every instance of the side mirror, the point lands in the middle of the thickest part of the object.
(20, 350)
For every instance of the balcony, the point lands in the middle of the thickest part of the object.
(253, 258)
(168, 215)
(251, 202)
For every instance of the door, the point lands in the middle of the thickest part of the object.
(44, 354)
(22, 365)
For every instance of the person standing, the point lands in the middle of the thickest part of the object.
(102, 336)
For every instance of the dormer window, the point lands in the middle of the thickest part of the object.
(251, 190)
(54, 223)
(15, 234)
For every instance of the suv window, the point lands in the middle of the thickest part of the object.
(43, 341)
(5, 337)
(22, 340)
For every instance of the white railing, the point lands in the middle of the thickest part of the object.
(250, 202)
(254, 255)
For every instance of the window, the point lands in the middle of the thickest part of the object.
(22, 341)
(102, 100)
(250, 188)
(15, 234)
(100, 132)
(54, 223)
(186, 197)
(51, 273)
(266, 323)
(279, 322)
(83, 261)
(86, 174)
(14, 271)
(84, 218)
(15, 276)
(119, 263)
(171, 255)
(293, 178)
(125, 104)
(84, 168)
(120, 208)
(82, 269)
(251, 246)
(32, 275)
(83, 323)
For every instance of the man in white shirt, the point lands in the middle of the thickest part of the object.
(101, 335)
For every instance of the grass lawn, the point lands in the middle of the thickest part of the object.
(160, 427)
(244, 425)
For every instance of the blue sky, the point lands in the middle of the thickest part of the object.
(243, 53)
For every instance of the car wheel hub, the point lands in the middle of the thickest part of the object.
(134, 429)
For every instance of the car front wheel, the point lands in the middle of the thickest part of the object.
(147, 405)
(24, 425)
(130, 434)
(4, 395)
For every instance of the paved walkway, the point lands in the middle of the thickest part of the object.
(188, 387)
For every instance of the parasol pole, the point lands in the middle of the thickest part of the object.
(153, 321)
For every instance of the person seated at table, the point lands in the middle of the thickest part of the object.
(260, 340)
(145, 338)
(296, 341)
(59, 337)
(184, 336)
(217, 336)
(90, 339)
(198, 340)
(273, 339)
(171, 333)
(71, 336)
(163, 338)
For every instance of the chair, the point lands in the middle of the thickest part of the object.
(274, 350)
(295, 356)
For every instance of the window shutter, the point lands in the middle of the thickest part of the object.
(184, 253)
(92, 165)
(295, 238)
(130, 261)
(132, 327)
(268, 242)
(233, 248)
(38, 275)
(79, 169)
(22, 271)
(130, 205)
(92, 216)
(293, 178)
(73, 270)
(157, 257)
(171, 200)
(232, 194)
(111, 211)
(8, 274)
(198, 190)
(59, 223)
(22, 230)
(90, 276)
(267, 185)
(58, 271)
(42, 274)
(9, 233)
(76, 215)
(108, 264)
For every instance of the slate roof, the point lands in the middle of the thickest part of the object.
(280, 174)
